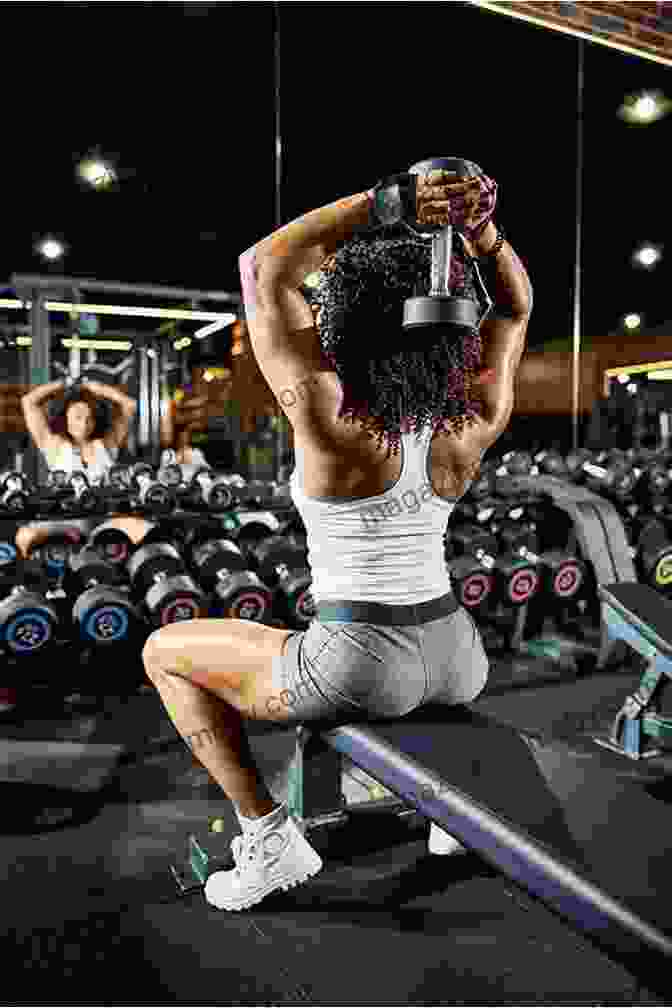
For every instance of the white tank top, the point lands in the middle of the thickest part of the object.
(67, 457)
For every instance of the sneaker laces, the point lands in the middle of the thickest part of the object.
(247, 847)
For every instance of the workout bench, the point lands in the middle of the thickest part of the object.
(496, 790)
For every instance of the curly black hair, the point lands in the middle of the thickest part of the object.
(101, 412)
(394, 379)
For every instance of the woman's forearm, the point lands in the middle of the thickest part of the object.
(512, 283)
(113, 395)
(43, 392)
(296, 249)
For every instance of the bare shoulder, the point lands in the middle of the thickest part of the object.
(464, 451)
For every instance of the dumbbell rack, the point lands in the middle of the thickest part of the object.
(601, 536)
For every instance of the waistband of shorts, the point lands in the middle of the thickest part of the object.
(387, 615)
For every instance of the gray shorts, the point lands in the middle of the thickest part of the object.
(387, 661)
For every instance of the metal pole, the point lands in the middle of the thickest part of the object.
(40, 366)
(281, 441)
(75, 362)
(155, 401)
(576, 361)
(21, 283)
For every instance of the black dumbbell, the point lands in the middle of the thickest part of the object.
(28, 621)
(281, 563)
(518, 463)
(103, 612)
(575, 462)
(552, 463)
(652, 542)
(148, 491)
(111, 543)
(471, 555)
(78, 497)
(238, 593)
(171, 476)
(211, 491)
(54, 552)
(16, 493)
(614, 478)
(8, 561)
(158, 576)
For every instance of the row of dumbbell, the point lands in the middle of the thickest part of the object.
(137, 486)
(638, 485)
(505, 565)
(114, 601)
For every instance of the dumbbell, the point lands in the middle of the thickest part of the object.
(111, 543)
(238, 593)
(15, 493)
(79, 498)
(552, 463)
(171, 476)
(209, 490)
(158, 576)
(281, 563)
(54, 552)
(574, 463)
(103, 612)
(652, 545)
(258, 493)
(472, 563)
(8, 561)
(117, 477)
(615, 478)
(28, 621)
(518, 463)
(148, 491)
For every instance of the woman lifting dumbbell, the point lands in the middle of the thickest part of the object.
(356, 382)
(85, 439)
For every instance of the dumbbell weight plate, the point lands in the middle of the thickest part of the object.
(211, 557)
(146, 562)
(297, 598)
(112, 543)
(565, 575)
(474, 589)
(518, 580)
(58, 480)
(117, 477)
(87, 566)
(654, 548)
(104, 616)
(136, 470)
(159, 499)
(170, 475)
(259, 493)
(273, 552)
(7, 558)
(174, 600)
(27, 623)
(242, 595)
(471, 581)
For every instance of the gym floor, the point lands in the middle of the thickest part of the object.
(91, 912)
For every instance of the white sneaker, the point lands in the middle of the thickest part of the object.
(272, 856)
(441, 842)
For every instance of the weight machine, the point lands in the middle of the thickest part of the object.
(147, 366)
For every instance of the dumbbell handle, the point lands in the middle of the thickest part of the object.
(442, 247)
(527, 554)
(486, 559)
